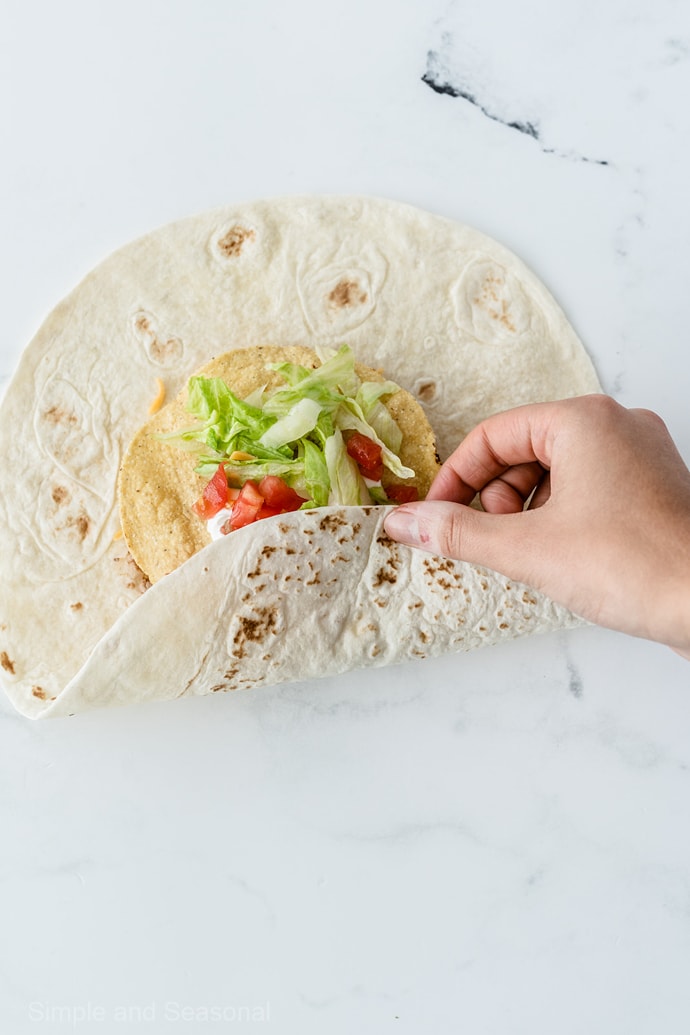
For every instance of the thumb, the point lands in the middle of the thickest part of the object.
(508, 543)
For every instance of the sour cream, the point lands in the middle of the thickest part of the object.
(215, 524)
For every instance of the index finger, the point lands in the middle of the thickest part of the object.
(518, 436)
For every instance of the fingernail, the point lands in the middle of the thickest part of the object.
(402, 525)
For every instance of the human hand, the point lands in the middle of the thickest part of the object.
(607, 528)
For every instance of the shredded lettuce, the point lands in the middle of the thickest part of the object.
(327, 384)
(377, 415)
(297, 423)
(296, 432)
(349, 418)
(316, 476)
(347, 484)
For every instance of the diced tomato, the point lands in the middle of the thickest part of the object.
(402, 493)
(214, 497)
(268, 512)
(246, 507)
(278, 495)
(254, 502)
(367, 455)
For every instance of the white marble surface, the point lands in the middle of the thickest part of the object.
(491, 844)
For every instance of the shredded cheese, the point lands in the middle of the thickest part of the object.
(160, 397)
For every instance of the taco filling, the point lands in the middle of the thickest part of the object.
(274, 430)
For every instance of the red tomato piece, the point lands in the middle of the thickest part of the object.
(246, 507)
(367, 455)
(278, 495)
(214, 497)
(268, 512)
(402, 493)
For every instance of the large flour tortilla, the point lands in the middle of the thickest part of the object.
(448, 313)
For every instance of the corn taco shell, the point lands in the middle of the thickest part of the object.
(450, 315)
(158, 485)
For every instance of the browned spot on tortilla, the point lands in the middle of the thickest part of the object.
(60, 494)
(426, 391)
(268, 550)
(505, 319)
(384, 575)
(81, 523)
(56, 415)
(527, 598)
(346, 293)
(160, 350)
(132, 575)
(254, 630)
(391, 545)
(388, 572)
(488, 295)
(39, 692)
(142, 323)
(7, 663)
(424, 637)
(232, 243)
(331, 522)
(78, 606)
(504, 625)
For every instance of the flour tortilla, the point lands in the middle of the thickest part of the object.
(449, 314)
(157, 484)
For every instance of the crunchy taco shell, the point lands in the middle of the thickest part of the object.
(157, 484)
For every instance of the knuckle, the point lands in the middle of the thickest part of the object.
(451, 534)
(652, 418)
(605, 407)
